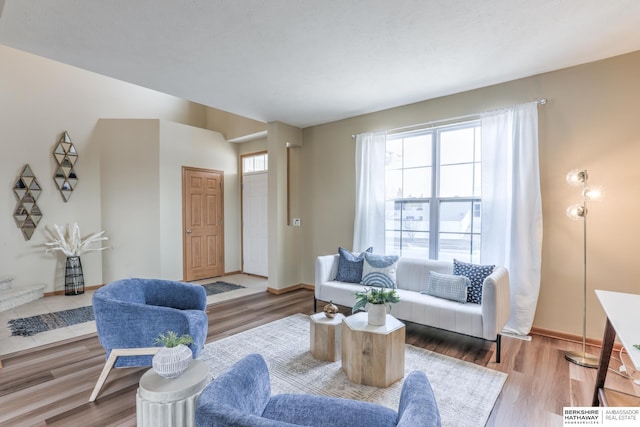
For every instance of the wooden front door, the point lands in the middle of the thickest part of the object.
(202, 215)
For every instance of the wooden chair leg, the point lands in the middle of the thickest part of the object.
(111, 360)
(103, 375)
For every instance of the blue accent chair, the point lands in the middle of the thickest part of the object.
(131, 313)
(241, 397)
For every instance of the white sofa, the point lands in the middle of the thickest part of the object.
(484, 320)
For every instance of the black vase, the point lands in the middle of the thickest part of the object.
(73, 277)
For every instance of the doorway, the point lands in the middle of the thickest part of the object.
(255, 236)
(203, 223)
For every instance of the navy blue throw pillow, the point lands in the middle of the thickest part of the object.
(350, 266)
(475, 273)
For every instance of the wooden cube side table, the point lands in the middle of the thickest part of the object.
(373, 355)
(326, 337)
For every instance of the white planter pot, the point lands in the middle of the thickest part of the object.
(172, 362)
(377, 314)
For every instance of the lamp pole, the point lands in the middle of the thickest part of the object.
(583, 359)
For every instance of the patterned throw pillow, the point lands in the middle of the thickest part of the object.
(350, 266)
(447, 286)
(379, 270)
(477, 274)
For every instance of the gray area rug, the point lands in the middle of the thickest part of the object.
(465, 393)
(220, 287)
(28, 326)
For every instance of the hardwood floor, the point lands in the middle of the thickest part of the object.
(50, 385)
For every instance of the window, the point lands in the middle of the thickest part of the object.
(433, 205)
(255, 163)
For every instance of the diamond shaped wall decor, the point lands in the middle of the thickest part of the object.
(27, 213)
(66, 156)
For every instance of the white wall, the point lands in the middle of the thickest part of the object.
(284, 240)
(141, 193)
(250, 147)
(39, 100)
(182, 145)
(130, 197)
(591, 121)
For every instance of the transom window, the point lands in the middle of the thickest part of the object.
(255, 163)
(433, 203)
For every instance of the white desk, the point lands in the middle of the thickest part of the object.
(623, 319)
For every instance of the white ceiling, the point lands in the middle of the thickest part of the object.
(308, 62)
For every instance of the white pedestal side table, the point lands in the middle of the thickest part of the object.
(164, 402)
(326, 337)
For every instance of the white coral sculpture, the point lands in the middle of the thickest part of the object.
(69, 242)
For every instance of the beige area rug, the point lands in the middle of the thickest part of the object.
(465, 393)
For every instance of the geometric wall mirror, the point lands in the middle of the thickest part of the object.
(27, 213)
(66, 157)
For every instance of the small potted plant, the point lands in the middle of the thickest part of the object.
(378, 299)
(174, 357)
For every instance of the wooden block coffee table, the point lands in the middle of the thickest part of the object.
(373, 355)
(326, 337)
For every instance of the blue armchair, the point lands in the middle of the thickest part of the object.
(241, 397)
(131, 313)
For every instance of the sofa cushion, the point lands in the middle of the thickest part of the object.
(476, 273)
(339, 292)
(412, 273)
(438, 312)
(454, 288)
(350, 265)
(379, 270)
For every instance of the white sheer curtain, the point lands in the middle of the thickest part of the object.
(511, 203)
(512, 206)
(369, 218)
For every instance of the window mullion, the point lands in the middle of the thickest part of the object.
(434, 225)
(448, 206)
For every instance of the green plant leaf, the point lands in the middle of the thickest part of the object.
(374, 296)
(171, 339)
(359, 305)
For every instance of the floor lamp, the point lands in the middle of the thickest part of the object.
(576, 212)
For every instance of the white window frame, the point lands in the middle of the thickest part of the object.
(253, 157)
(434, 201)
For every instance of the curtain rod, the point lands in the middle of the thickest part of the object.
(541, 101)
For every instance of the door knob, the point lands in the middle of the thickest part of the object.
(188, 231)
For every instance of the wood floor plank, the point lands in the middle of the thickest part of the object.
(50, 385)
